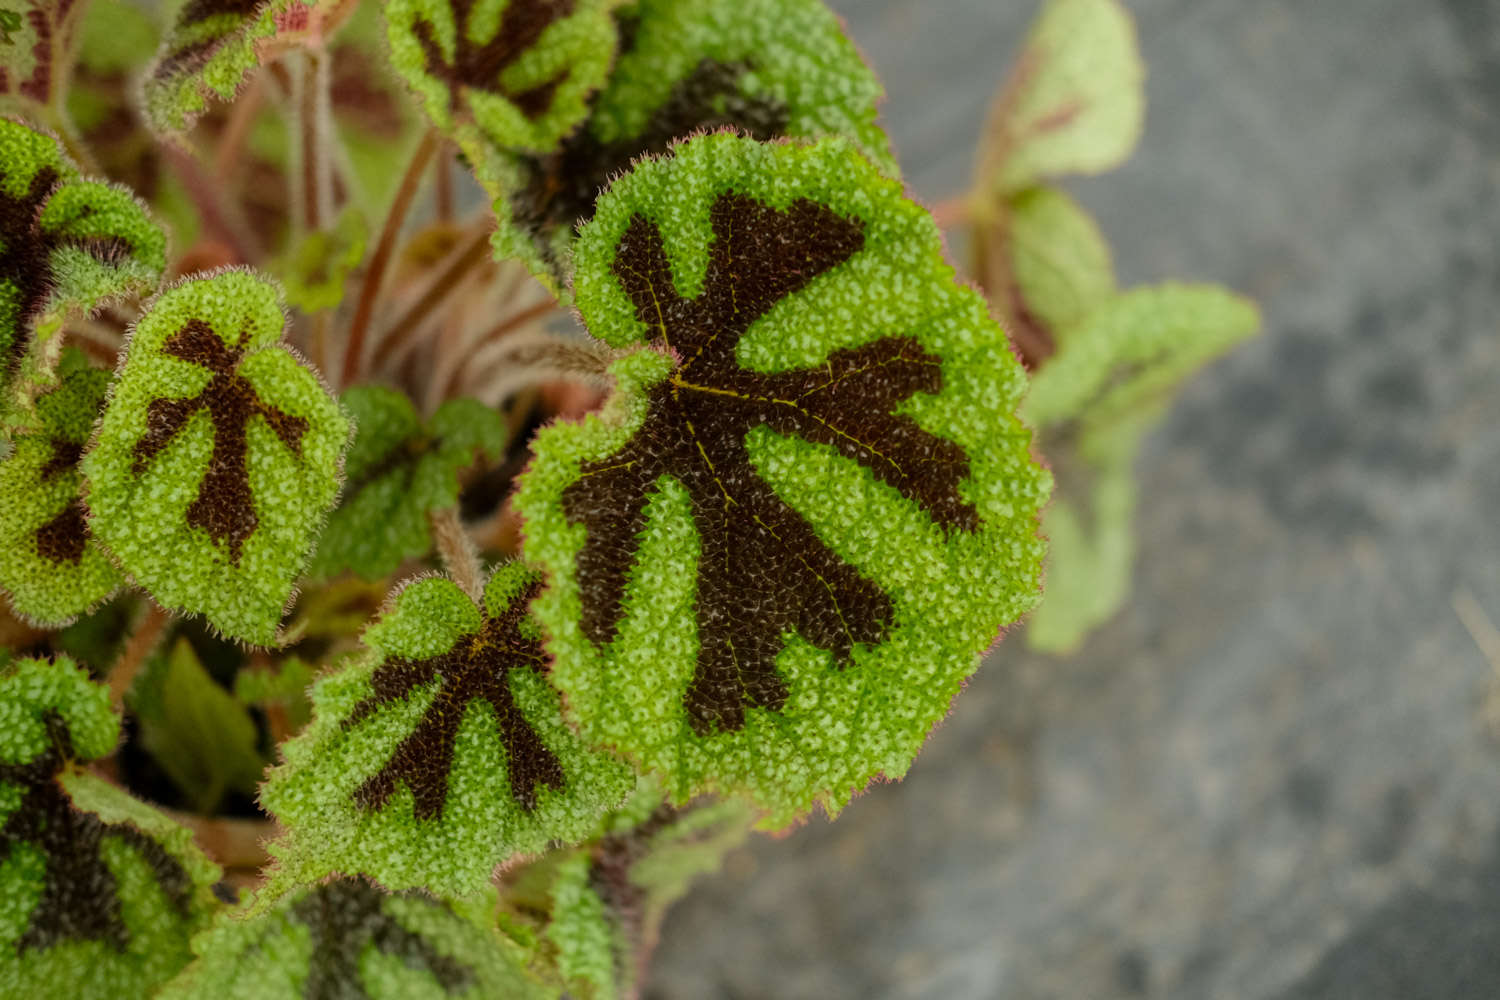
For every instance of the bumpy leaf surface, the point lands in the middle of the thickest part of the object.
(1078, 99)
(808, 506)
(217, 457)
(49, 564)
(65, 242)
(515, 74)
(348, 939)
(399, 470)
(765, 67)
(98, 893)
(442, 753)
(206, 54)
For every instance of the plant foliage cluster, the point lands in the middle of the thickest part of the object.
(520, 446)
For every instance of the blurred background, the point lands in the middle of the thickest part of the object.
(1275, 774)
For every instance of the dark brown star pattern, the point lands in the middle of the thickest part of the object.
(224, 507)
(63, 538)
(479, 65)
(344, 918)
(763, 572)
(26, 249)
(564, 185)
(478, 666)
(80, 898)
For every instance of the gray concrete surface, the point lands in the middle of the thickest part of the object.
(1274, 775)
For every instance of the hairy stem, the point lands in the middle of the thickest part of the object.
(460, 558)
(221, 217)
(242, 114)
(369, 290)
(138, 647)
(472, 252)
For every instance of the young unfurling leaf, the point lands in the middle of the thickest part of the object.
(1093, 401)
(515, 74)
(443, 752)
(1077, 99)
(217, 457)
(65, 243)
(99, 894)
(349, 939)
(400, 469)
(808, 506)
(49, 564)
(768, 68)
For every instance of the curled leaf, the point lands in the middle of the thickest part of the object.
(217, 457)
(768, 68)
(808, 506)
(515, 74)
(98, 893)
(401, 469)
(347, 938)
(65, 243)
(49, 564)
(1077, 99)
(443, 752)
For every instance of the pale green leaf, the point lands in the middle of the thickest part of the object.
(1059, 260)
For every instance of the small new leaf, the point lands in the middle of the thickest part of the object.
(319, 266)
(39, 39)
(400, 469)
(517, 72)
(49, 564)
(1077, 100)
(65, 243)
(443, 752)
(1059, 259)
(98, 893)
(808, 506)
(768, 68)
(217, 457)
(349, 939)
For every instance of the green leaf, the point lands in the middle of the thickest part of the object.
(807, 507)
(400, 469)
(209, 49)
(66, 244)
(202, 737)
(768, 68)
(317, 270)
(217, 457)
(98, 892)
(599, 907)
(284, 686)
(443, 752)
(1059, 260)
(348, 939)
(516, 74)
(49, 564)
(1077, 100)
(1128, 355)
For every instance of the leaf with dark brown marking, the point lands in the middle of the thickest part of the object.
(443, 752)
(49, 564)
(808, 506)
(351, 940)
(103, 892)
(218, 456)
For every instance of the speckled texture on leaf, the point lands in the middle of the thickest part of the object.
(514, 74)
(99, 893)
(206, 54)
(66, 243)
(766, 67)
(442, 753)
(217, 457)
(399, 470)
(348, 939)
(49, 565)
(1078, 98)
(923, 562)
(1093, 401)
